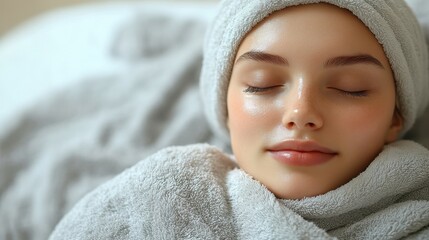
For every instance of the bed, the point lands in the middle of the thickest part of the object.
(88, 91)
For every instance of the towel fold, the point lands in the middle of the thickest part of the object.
(198, 192)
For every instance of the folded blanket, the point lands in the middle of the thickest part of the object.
(61, 148)
(198, 192)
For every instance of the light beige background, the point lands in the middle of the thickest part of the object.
(14, 12)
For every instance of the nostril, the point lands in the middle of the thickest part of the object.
(302, 119)
(290, 124)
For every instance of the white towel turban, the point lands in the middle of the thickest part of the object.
(391, 21)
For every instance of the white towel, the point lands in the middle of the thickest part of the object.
(197, 192)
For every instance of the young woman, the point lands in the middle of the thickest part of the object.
(313, 97)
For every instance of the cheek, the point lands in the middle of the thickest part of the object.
(365, 129)
(246, 114)
(251, 120)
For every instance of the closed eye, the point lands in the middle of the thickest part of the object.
(360, 93)
(252, 89)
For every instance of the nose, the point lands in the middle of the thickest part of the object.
(301, 112)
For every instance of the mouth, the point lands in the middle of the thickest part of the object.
(301, 153)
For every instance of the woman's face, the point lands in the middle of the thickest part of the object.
(311, 100)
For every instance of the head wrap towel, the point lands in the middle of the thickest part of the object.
(391, 21)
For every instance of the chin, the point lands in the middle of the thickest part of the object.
(300, 191)
(295, 195)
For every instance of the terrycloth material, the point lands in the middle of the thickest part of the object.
(420, 131)
(391, 21)
(196, 192)
(70, 143)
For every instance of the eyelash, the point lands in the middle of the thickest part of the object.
(362, 93)
(252, 89)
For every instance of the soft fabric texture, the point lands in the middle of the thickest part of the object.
(420, 130)
(391, 21)
(196, 192)
(66, 145)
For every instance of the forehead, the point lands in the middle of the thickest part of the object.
(310, 28)
(312, 16)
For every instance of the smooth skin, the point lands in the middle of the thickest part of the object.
(310, 74)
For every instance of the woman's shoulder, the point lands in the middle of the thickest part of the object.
(407, 149)
(175, 164)
(151, 193)
(195, 157)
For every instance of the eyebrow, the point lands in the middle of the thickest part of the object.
(263, 57)
(333, 62)
(355, 59)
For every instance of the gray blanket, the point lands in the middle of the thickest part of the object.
(64, 146)
(196, 192)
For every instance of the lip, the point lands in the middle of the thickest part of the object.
(301, 153)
